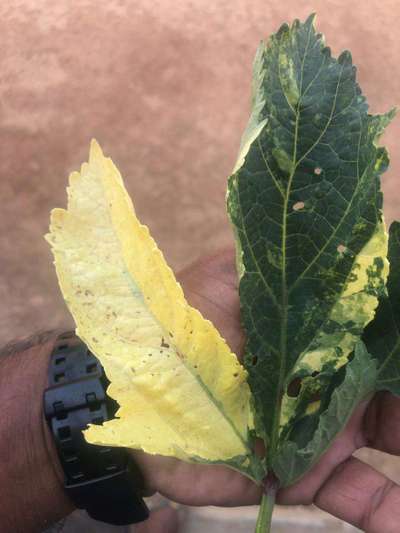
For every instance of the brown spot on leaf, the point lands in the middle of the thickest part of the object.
(294, 387)
(298, 205)
(163, 343)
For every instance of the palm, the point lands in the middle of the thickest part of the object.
(353, 491)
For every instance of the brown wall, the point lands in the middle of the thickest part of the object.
(164, 86)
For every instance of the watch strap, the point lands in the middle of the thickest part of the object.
(101, 479)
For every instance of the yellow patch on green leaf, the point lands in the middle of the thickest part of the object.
(287, 78)
(352, 312)
(251, 134)
(181, 391)
(356, 306)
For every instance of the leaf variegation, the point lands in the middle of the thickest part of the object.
(382, 335)
(305, 203)
(181, 391)
(356, 381)
(337, 336)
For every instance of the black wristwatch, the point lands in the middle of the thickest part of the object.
(103, 480)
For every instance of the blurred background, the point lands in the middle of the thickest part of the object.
(164, 86)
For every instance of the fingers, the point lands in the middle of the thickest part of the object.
(360, 495)
(163, 520)
(381, 428)
(221, 486)
(192, 484)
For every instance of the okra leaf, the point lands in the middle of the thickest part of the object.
(305, 203)
(353, 383)
(180, 390)
(382, 335)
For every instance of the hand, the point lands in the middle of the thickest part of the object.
(340, 484)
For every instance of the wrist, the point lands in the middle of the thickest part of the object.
(36, 494)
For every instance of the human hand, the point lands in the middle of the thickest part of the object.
(340, 484)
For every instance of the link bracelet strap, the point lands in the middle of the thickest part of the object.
(103, 480)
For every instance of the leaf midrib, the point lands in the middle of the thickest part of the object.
(284, 292)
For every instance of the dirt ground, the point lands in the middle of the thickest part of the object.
(164, 86)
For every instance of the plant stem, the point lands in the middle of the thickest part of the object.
(264, 519)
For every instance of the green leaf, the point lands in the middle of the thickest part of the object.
(305, 203)
(358, 381)
(382, 336)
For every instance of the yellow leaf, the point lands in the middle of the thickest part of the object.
(180, 389)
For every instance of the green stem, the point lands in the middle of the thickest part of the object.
(264, 519)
